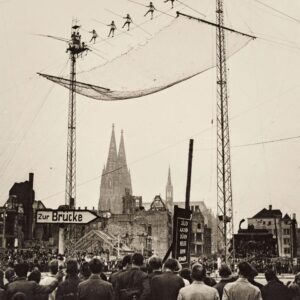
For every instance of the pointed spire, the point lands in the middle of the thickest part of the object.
(112, 155)
(122, 155)
(169, 177)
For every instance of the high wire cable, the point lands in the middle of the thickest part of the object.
(132, 22)
(3, 169)
(155, 8)
(191, 8)
(278, 11)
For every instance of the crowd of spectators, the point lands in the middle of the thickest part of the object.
(38, 275)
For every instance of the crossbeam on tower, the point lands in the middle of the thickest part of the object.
(224, 188)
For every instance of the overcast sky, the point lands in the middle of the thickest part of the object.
(264, 102)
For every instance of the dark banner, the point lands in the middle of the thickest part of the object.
(181, 234)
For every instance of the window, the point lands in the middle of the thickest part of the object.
(286, 241)
(199, 226)
(286, 231)
(264, 223)
(199, 237)
(269, 223)
(287, 250)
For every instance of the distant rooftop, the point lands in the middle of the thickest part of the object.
(268, 213)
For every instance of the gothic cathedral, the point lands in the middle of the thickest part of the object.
(116, 179)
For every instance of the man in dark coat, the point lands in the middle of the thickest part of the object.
(125, 265)
(226, 277)
(274, 289)
(30, 288)
(95, 288)
(155, 265)
(167, 285)
(133, 279)
(68, 289)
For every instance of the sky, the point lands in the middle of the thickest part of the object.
(264, 106)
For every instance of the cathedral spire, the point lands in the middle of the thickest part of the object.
(169, 177)
(169, 192)
(121, 155)
(112, 154)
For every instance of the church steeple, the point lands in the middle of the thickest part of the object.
(112, 154)
(125, 179)
(169, 192)
(121, 155)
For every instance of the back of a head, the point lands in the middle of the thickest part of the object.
(198, 272)
(171, 264)
(21, 269)
(85, 269)
(155, 262)
(186, 274)
(53, 266)
(35, 275)
(19, 296)
(137, 259)
(96, 265)
(72, 266)
(9, 274)
(126, 260)
(224, 271)
(245, 269)
(270, 275)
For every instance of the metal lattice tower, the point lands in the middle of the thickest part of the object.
(75, 48)
(224, 189)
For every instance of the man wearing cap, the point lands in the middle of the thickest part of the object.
(242, 288)
(225, 274)
(167, 285)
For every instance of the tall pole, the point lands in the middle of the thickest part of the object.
(71, 144)
(189, 175)
(76, 48)
(224, 189)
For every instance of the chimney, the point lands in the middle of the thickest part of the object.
(270, 207)
(294, 216)
(31, 175)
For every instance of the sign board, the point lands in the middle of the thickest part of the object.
(181, 234)
(48, 216)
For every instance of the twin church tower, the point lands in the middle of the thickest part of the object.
(116, 179)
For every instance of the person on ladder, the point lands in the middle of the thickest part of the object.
(151, 10)
(127, 22)
(94, 36)
(172, 2)
(112, 29)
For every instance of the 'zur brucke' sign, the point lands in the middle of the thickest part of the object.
(181, 234)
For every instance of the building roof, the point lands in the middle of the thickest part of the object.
(268, 214)
(286, 217)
